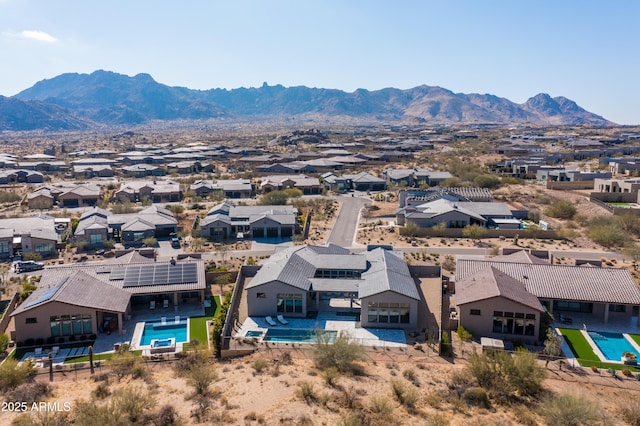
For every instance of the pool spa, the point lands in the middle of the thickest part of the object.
(164, 330)
(612, 345)
(297, 335)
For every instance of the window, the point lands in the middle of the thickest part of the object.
(289, 303)
(31, 320)
(4, 247)
(561, 305)
(514, 323)
(617, 308)
(475, 312)
(45, 248)
(393, 313)
(261, 295)
(68, 325)
(95, 239)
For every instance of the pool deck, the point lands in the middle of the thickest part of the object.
(139, 329)
(104, 343)
(331, 321)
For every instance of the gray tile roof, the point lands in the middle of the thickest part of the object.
(490, 282)
(388, 272)
(80, 289)
(561, 282)
(296, 266)
(521, 256)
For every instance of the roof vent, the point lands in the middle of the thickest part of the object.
(525, 277)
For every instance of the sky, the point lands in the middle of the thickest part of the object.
(585, 50)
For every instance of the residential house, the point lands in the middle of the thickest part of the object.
(77, 301)
(308, 185)
(143, 170)
(158, 191)
(299, 279)
(226, 221)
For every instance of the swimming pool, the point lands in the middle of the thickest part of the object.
(297, 335)
(612, 345)
(159, 330)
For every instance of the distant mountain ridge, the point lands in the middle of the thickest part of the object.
(109, 98)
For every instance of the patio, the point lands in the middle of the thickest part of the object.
(331, 320)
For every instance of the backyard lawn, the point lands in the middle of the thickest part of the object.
(585, 355)
(198, 325)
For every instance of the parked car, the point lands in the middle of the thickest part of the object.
(175, 242)
(27, 266)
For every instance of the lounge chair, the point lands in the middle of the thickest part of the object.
(38, 352)
(281, 320)
(270, 321)
(176, 319)
(152, 305)
(163, 320)
(55, 350)
(165, 303)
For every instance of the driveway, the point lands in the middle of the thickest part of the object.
(344, 230)
(166, 252)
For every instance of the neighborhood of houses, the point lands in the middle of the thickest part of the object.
(368, 291)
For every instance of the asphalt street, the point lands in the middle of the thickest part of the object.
(344, 230)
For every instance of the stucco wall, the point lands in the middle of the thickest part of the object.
(389, 297)
(482, 325)
(268, 305)
(42, 328)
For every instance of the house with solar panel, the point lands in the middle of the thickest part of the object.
(76, 301)
(302, 280)
(506, 296)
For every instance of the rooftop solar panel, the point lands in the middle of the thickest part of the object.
(146, 275)
(46, 295)
(117, 274)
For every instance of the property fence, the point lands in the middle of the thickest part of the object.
(488, 233)
(6, 316)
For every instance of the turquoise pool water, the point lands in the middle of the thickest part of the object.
(612, 344)
(158, 330)
(296, 335)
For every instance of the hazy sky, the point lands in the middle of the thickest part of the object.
(588, 51)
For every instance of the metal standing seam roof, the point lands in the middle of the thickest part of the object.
(388, 272)
(561, 282)
(490, 282)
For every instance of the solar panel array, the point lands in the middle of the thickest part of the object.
(117, 274)
(46, 295)
(146, 275)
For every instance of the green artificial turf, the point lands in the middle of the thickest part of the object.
(198, 325)
(584, 353)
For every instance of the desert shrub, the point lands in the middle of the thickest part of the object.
(476, 397)
(286, 359)
(571, 410)
(474, 231)
(29, 392)
(166, 416)
(259, 364)
(629, 410)
(132, 402)
(4, 343)
(606, 231)
(307, 392)
(200, 376)
(561, 209)
(124, 363)
(88, 413)
(411, 376)
(502, 373)
(218, 323)
(487, 181)
(408, 397)
(43, 418)
(349, 398)
(463, 334)
(13, 375)
(437, 419)
(380, 405)
(331, 376)
(101, 391)
(340, 354)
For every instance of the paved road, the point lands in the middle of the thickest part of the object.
(344, 230)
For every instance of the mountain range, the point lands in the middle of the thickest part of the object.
(78, 101)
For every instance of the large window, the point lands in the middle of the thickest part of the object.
(95, 239)
(514, 323)
(337, 274)
(4, 247)
(394, 313)
(68, 325)
(47, 248)
(289, 303)
(561, 305)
